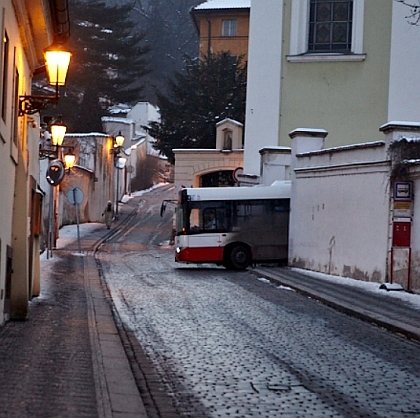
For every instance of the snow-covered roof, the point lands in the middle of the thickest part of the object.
(235, 122)
(88, 134)
(114, 119)
(224, 4)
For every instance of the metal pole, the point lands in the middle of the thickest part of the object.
(129, 173)
(118, 186)
(50, 223)
(77, 219)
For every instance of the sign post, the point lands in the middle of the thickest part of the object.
(75, 197)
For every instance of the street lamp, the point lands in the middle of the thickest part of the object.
(57, 168)
(119, 162)
(58, 131)
(119, 140)
(69, 160)
(57, 60)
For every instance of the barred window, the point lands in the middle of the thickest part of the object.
(330, 26)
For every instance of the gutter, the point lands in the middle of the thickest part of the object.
(61, 20)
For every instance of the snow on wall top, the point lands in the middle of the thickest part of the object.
(224, 4)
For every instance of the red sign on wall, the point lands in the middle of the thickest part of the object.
(401, 234)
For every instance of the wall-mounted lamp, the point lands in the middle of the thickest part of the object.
(118, 144)
(119, 163)
(69, 160)
(58, 131)
(57, 60)
(54, 151)
(119, 140)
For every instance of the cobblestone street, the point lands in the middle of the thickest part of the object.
(226, 344)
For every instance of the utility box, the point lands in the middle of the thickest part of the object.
(401, 234)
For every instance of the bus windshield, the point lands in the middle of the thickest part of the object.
(200, 217)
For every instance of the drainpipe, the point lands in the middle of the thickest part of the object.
(208, 36)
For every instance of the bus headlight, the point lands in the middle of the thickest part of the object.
(178, 250)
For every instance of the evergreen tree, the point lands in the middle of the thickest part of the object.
(107, 63)
(171, 36)
(206, 92)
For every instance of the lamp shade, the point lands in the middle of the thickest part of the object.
(57, 60)
(69, 160)
(58, 131)
(119, 139)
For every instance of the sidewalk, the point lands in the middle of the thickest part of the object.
(67, 358)
(397, 311)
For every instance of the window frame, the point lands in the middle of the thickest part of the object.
(228, 24)
(299, 35)
(318, 26)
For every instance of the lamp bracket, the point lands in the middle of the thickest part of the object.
(28, 105)
(47, 153)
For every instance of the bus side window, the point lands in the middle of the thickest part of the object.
(215, 219)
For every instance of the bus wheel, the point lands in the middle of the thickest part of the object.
(240, 257)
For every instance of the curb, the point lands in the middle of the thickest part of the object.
(116, 390)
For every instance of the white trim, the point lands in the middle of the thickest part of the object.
(299, 35)
(326, 57)
(299, 27)
(358, 23)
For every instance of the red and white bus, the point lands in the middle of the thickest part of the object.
(233, 226)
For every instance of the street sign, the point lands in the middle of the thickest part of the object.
(55, 172)
(403, 190)
(75, 196)
(236, 173)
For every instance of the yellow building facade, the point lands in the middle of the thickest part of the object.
(27, 28)
(222, 28)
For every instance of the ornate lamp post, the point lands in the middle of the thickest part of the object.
(119, 162)
(55, 173)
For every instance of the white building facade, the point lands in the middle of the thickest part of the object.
(349, 91)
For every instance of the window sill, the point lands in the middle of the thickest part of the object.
(326, 57)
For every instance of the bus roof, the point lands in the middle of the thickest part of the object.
(279, 190)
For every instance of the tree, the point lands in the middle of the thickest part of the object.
(107, 63)
(206, 92)
(171, 36)
(414, 16)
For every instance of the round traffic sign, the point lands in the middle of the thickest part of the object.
(75, 196)
(236, 172)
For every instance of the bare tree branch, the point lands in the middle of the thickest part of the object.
(414, 17)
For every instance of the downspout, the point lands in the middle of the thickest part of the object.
(61, 20)
(208, 36)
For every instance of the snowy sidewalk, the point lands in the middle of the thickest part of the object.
(397, 311)
(114, 384)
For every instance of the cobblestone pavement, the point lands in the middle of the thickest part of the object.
(67, 359)
(226, 344)
(46, 361)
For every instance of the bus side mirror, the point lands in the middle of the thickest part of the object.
(162, 208)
